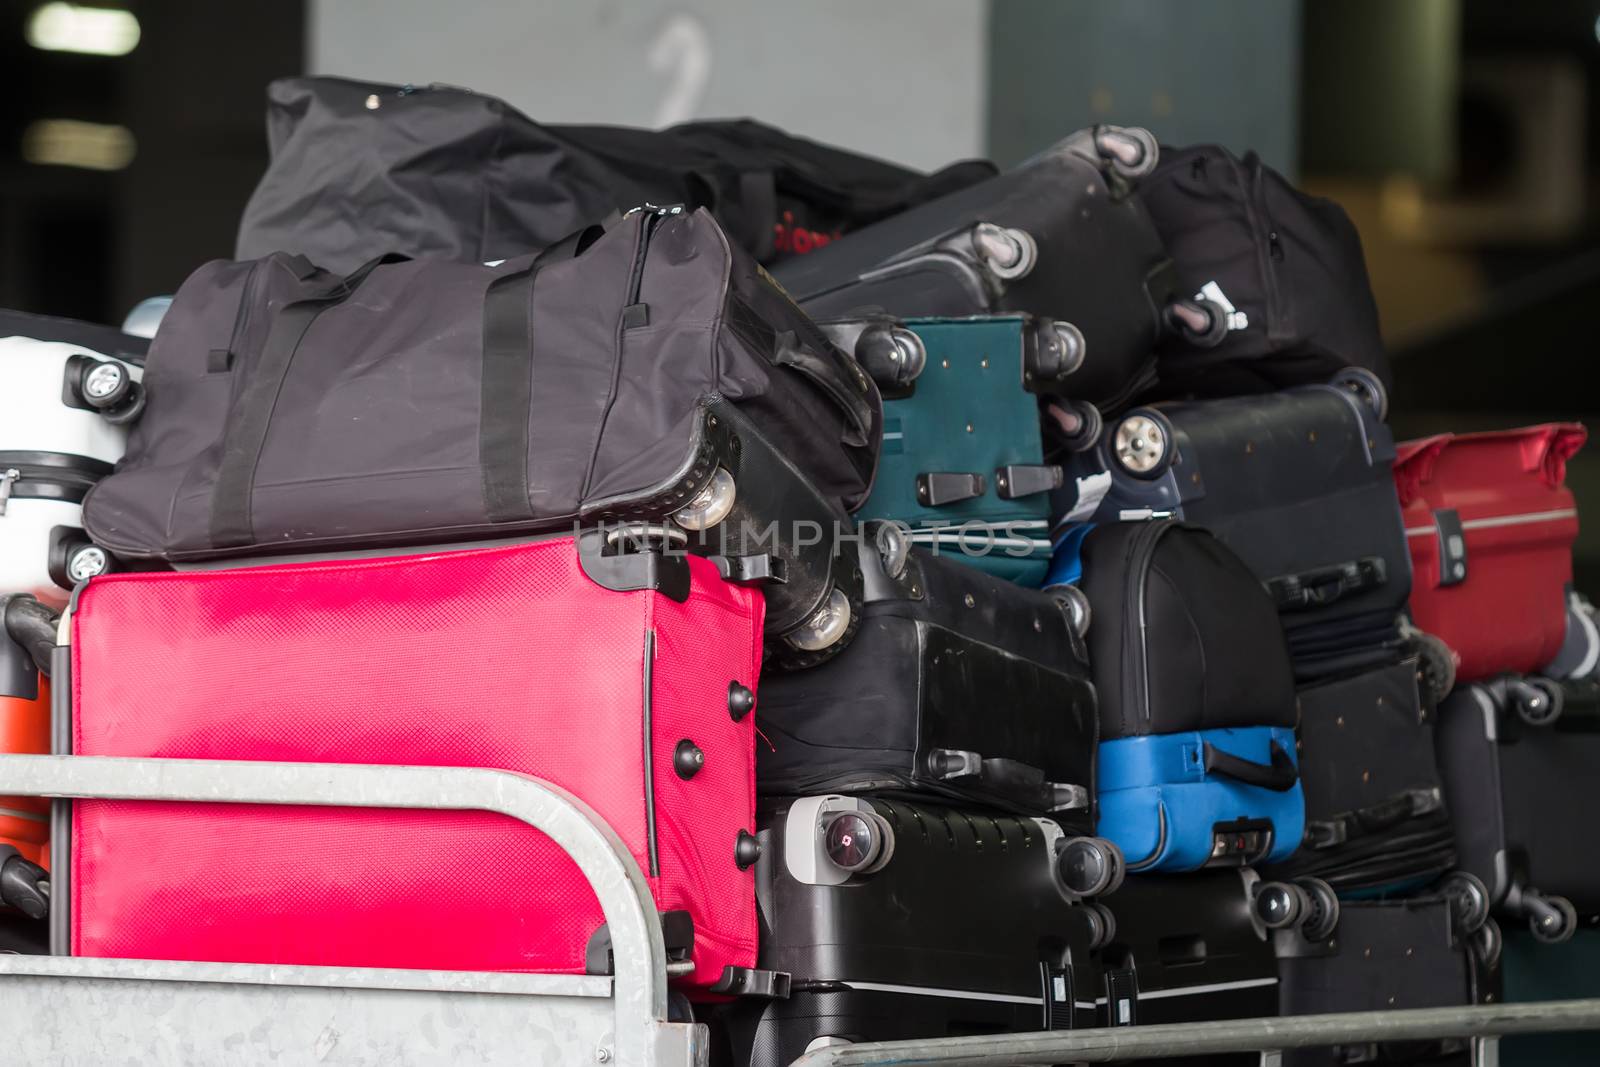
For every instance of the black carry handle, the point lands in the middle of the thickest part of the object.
(245, 433)
(842, 380)
(1325, 585)
(1386, 814)
(1011, 778)
(1279, 776)
(507, 380)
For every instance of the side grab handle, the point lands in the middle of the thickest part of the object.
(1279, 776)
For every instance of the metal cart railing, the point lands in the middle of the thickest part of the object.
(165, 1012)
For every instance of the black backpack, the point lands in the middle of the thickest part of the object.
(1286, 266)
(361, 169)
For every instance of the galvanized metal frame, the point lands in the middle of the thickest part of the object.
(641, 1034)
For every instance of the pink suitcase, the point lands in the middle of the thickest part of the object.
(548, 658)
(1491, 524)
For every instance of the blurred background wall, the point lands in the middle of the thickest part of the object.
(1458, 134)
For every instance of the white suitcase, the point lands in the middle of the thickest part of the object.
(64, 407)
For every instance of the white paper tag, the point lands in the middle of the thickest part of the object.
(1091, 490)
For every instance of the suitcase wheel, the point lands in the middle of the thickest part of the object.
(1469, 900)
(1142, 444)
(1080, 422)
(1202, 323)
(1436, 665)
(85, 560)
(892, 356)
(1487, 943)
(1537, 701)
(108, 387)
(1132, 151)
(1367, 387)
(1075, 602)
(1322, 918)
(894, 549)
(1280, 905)
(710, 505)
(24, 885)
(1057, 351)
(1551, 919)
(1008, 253)
(1090, 866)
(825, 626)
(1102, 924)
(859, 842)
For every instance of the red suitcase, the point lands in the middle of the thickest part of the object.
(550, 658)
(1491, 524)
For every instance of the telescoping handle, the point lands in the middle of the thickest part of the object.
(1280, 776)
(1011, 778)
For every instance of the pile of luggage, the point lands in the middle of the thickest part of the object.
(978, 602)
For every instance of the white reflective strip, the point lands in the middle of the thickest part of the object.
(1499, 520)
(980, 540)
(1197, 990)
(15, 814)
(929, 991)
(892, 435)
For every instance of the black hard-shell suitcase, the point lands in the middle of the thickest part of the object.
(959, 686)
(1518, 759)
(1299, 484)
(1286, 267)
(1059, 236)
(885, 920)
(1189, 948)
(1375, 813)
(1384, 955)
(651, 373)
(361, 169)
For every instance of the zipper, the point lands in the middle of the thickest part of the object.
(1269, 247)
(23, 473)
(652, 215)
(649, 755)
(241, 317)
(1136, 683)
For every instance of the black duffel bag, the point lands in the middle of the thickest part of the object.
(650, 373)
(360, 169)
(1287, 267)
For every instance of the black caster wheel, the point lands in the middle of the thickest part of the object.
(128, 412)
(1089, 866)
(1076, 604)
(1367, 387)
(1322, 914)
(892, 356)
(1131, 151)
(1102, 924)
(1436, 666)
(1537, 701)
(1487, 944)
(1202, 323)
(1469, 900)
(1551, 919)
(859, 842)
(24, 885)
(1090, 427)
(1280, 905)
(1143, 444)
(894, 548)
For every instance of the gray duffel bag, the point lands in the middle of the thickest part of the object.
(651, 373)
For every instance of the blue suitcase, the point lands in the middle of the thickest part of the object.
(965, 465)
(1197, 757)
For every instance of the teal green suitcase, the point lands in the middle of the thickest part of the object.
(964, 462)
(1532, 970)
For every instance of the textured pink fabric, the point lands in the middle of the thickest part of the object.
(504, 657)
(1519, 523)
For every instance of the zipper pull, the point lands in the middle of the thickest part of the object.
(10, 475)
(1142, 514)
(662, 210)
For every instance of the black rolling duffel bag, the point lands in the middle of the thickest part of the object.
(1286, 267)
(359, 169)
(959, 686)
(1060, 236)
(653, 374)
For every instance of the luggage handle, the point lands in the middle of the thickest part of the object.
(1021, 781)
(1279, 776)
(1322, 586)
(1376, 818)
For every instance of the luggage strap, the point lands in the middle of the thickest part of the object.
(245, 433)
(507, 380)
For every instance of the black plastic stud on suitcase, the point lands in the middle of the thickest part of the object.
(1518, 760)
(1299, 484)
(882, 920)
(1389, 955)
(1375, 812)
(959, 686)
(1058, 236)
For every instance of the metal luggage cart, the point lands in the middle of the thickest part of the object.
(84, 1011)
